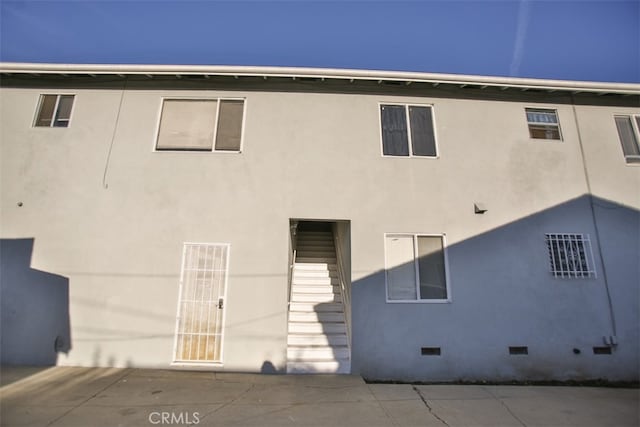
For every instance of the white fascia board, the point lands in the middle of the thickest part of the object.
(322, 73)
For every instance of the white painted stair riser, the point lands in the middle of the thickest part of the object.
(316, 317)
(316, 298)
(317, 353)
(316, 308)
(325, 328)
(310, 274)
(334, 367)
(317, 339)
(315, 281)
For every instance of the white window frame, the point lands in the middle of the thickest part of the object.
(544, 109)
(220, 362)
(630, 159)
(55, 110)
(215, 128)
(415, 236)
(407, 105)
(562, 238)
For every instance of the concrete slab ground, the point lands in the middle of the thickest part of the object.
(64, 396)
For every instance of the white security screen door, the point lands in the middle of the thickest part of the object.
(199, 324)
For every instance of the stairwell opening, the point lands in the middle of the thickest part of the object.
(319, 316)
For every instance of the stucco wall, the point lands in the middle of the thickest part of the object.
(318, 155)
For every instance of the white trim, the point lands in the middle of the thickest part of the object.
(447, 279)
(406, 105)
(215, 125)
(327, 73)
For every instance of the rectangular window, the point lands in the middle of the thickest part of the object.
(629, 133)
(415, 267)
(543, 123)
(570, 255)
(201, 125)
(407, 130)
(201, 303)
(54, 111)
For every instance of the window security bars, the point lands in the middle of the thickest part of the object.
(570, 255)
(201, 303)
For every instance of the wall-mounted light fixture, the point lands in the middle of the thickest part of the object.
(479, 208)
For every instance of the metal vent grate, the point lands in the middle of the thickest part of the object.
(570, 255)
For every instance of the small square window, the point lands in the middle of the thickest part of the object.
(629, 133)
(201, 125)
(415, 267)
(570, 255)
(54, 111)
(543, 123)
(407, 130)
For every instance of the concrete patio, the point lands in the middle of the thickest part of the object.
(64, 396)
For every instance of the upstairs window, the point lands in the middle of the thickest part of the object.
(570, 255)
(54, 111)
(201, 125)
(407, 130)
(629, 133)
(543, 123)
(415, 268)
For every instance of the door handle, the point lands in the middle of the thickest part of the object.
(220, 303)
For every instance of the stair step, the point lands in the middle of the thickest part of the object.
(315, 260)
(315, 242)
(322, 367)
(316, 339)
(328, 353)
(311, 266)
(317, 328)
(315, 254)
(315, 289)
(316, 308)
(320, 244)
(315, 281)
(330, 316)
(316, 298)
(311, 273)
(314, 233)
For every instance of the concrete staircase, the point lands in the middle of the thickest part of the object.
(317, 340)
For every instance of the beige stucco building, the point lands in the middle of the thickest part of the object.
(396, 225)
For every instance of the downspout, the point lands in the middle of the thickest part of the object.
(612, 340)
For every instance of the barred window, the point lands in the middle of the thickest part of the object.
(570, 255)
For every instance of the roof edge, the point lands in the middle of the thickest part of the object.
(326, 73)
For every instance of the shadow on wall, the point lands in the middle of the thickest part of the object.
(503, 296)
(34, 308)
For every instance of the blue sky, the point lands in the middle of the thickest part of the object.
(578, 40)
